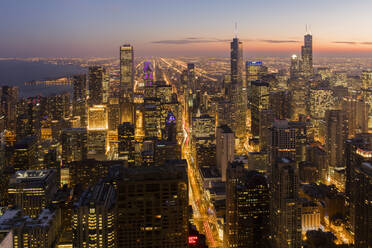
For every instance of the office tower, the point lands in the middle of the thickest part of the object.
(86, 173)
(225, 149)
(285, 208)
(307, 55)
(25, 154)
(126, 146)
(283, 141)
(189, 78)
(127, 111)
(357, 115)
(318, 156)
(259, 102)
(126, 70)
(279, 102)
(97, 131)
(96, 80)
(42, 231)
(8, 104)
(148, 72)
(361, 201)
(170, 127)
(94, 218)
(203, 127)
(299, 98)
(58, 106)
(247, 208)
(357, 153)
(153, 207)
(254, 70)
(237, 91)
(295, 67)
(335, 136)
(29, 117)
(79, 95)
(236, 54)
(367, 94)
(113, 109)
(74, 144)
(166, 151)
(164, 92)
(32, 190)
(320, 100)
(310, 215)
(151, 120)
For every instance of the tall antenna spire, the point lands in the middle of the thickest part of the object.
(306, 29)
(236, 30)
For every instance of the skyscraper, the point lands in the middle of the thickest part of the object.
(79, 99)
(335, 136)
(236, 61)
(307, 55)
(225, 149)
(259, 102)
(126, 146)
(94, 218)
(153, 207)
(74, 144)
(126, 70)
(283, 141)
(285, 208)
(32, 190)
(96, 77)
(247, 208)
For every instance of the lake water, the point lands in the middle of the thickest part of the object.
(15, 73)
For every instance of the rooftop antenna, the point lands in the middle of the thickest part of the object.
(236, 30)
(306, 29)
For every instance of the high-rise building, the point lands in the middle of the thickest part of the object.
(79, 99)
(367, 93)
(225, 149)
(357, 153)
(151, 120)
(94, 218)
(96, 77)
(97, 117)
(299, 98)
(74, 144)
(126, 70)
(153, 207)
(295, 67)
(357, 114)
(283, 141)
(247, 208)
(113, 109)
(254, 70)
(285, 207)
(259, 102)
(362, 203)
(32, 190)
(237, 63)
(307, 55)
(8, 103)
(126, 146)
(25, 154)
(42, 231)
(335, 136)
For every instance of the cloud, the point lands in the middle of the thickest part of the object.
(353, 42)
(279, 41)
(194, 40)
(189, 40)
(345, 42)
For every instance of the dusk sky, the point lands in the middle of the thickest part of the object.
(88, 28)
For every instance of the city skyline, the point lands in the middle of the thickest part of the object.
(178, 28)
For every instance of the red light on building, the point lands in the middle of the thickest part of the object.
(193, 240)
